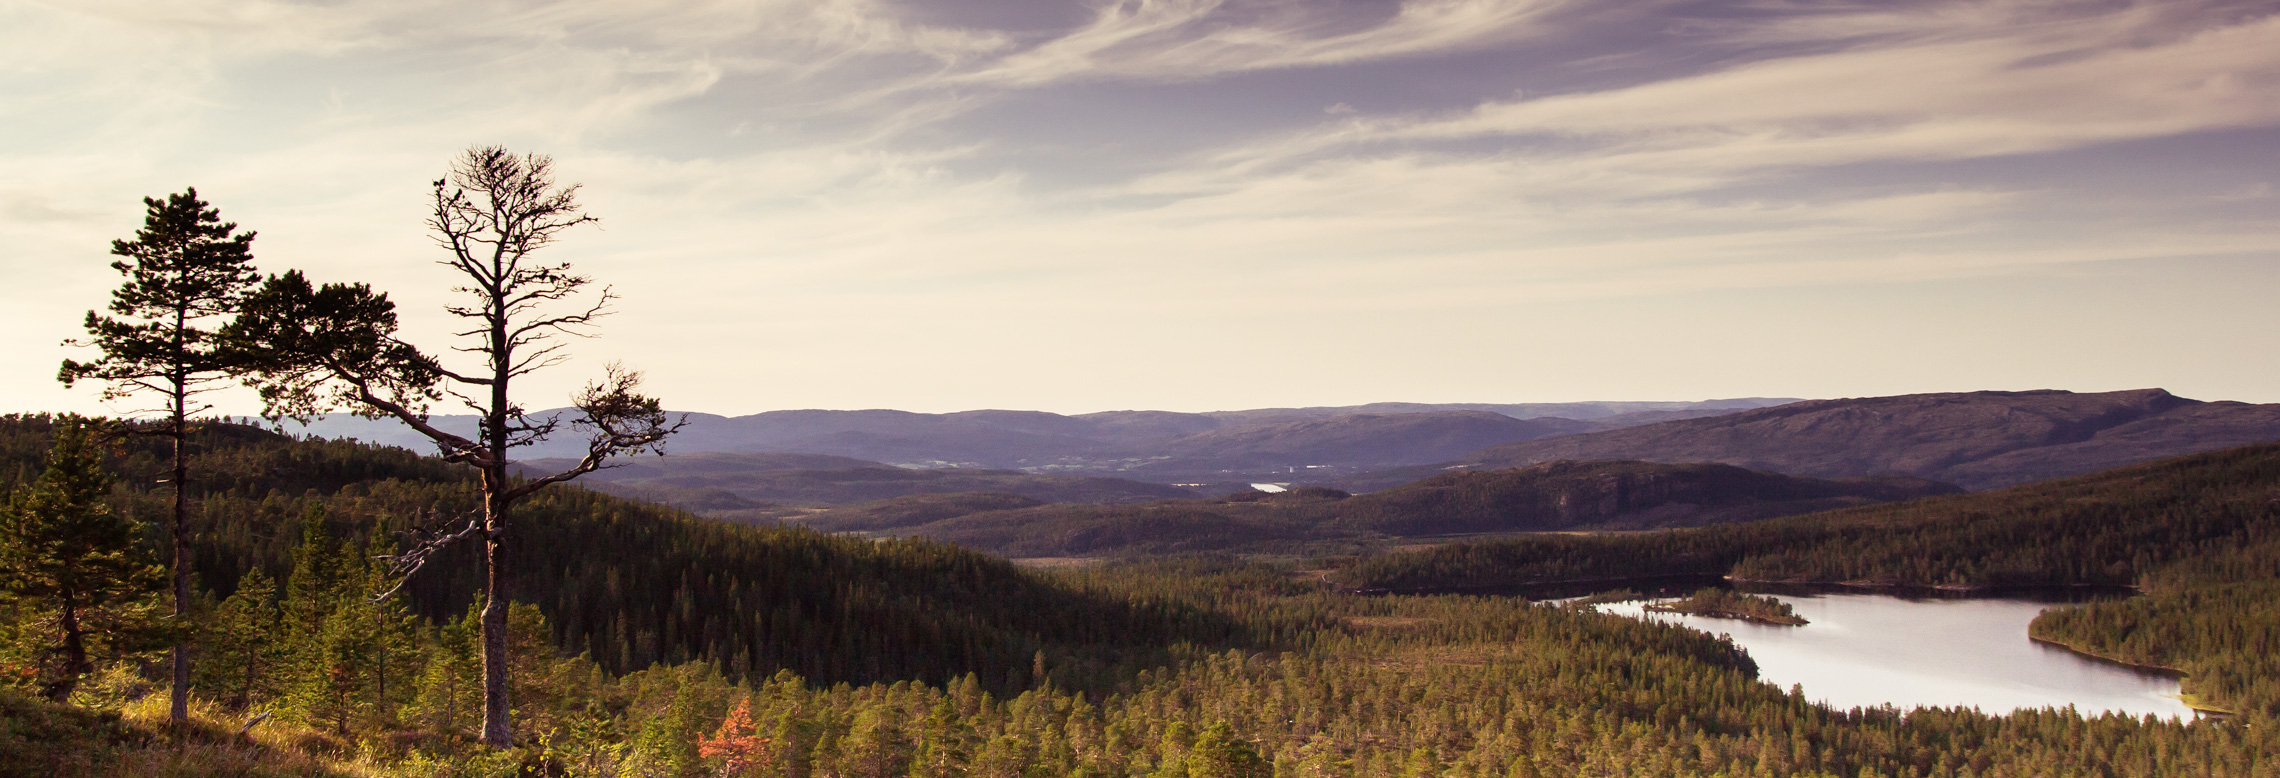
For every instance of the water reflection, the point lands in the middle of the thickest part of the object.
(1869, 650)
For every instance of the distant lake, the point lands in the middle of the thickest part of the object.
(1866, 650)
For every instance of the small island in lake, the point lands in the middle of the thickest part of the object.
(1724, 604)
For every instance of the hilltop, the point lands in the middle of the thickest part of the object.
(1212, 446)
(1977, 440)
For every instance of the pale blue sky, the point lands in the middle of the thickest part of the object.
(1196, 205)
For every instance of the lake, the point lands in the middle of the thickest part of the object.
(1873, 649)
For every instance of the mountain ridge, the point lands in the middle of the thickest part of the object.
(1977, 440)
(1103, 443)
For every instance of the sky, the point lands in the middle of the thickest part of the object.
(1201, 205)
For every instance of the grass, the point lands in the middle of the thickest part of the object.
(40, 739)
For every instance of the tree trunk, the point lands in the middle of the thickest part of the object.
(74, 654)
(252, 673)
(497, 730)
(380, 674)
(178, 709)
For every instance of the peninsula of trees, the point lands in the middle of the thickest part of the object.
(1729, 604)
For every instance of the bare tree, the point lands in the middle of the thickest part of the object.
(336, 347)
(189, 269)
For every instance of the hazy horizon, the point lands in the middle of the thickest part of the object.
(1202, 204)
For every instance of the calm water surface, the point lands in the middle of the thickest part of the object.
(1869, 650)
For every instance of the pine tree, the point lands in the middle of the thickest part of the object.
(190, 269)
(396, 635)
(330, 638)
(876, 746)
(246, 648)
(81, 570)
(944, 743)
(335, 346)
(338, 668)
(313, 589)
(449, 689)
(1218, 753)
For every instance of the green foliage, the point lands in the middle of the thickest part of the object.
(189, 267)
(2224, 637)
(78, 579)
(1729, 604)
(300, 337)
(1452, 686)
(1219, 753)
(246, 645)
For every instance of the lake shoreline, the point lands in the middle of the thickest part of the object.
(2163, 670)
(1869, 648)
(1583, 586)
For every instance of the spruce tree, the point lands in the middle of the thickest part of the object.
(396, 635)
(449, 690)
(338, 669)
(246, 648)
(1218, 753)
(80, 568)
(312, 589)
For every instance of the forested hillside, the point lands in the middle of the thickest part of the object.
(2200, 533)
(773, 487)
(632, 585)
(1551, 497)
(1977, 440)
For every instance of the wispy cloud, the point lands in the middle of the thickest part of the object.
(1937, 93)
(1190, 39)
(849, 185)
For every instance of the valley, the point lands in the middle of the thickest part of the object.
(869, 610)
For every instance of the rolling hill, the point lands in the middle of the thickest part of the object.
(1977, 440)
(632, 585)
(1113, 441)
(748, 486)
(1550, 497)
(1356, 440)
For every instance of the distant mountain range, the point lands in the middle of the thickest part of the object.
(769, 487)
(1164, 445)
(1041, 484)
(1977, 440)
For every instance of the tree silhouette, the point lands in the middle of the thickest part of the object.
(189, 269)
(335, 346)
